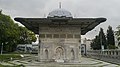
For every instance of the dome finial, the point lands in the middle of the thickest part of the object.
(60, 5)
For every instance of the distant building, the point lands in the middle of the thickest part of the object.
(87, 42)
(85, 46)
(88, 46)
(117, 43)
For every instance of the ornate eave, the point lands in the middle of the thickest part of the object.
(86, 24)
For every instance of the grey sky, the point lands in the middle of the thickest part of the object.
(109, 9)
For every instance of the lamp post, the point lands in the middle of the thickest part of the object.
(102, 46)
(2, 49)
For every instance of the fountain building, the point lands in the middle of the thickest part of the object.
(60, 34)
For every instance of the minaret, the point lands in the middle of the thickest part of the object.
(60, 5)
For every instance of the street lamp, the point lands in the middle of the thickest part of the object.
(2, 49)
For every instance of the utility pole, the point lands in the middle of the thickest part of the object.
(102, 46)
(2, 49)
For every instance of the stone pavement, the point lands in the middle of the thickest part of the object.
(85, 62)
(29, 61)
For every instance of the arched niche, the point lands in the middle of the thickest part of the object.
(72, 54)
(46, 54)
(59, 53)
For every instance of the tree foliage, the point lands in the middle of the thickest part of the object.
(96, 43)
(11, 33)
(107, 40)
(99, 41)
(103, 40)
(26, 36)
(110, 38)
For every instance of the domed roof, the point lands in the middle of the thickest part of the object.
(60, 13)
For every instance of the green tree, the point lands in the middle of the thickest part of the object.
(11, 33)
(95, 45)
(99, 41)
(26, 36)
(110, 38)
(103, 40)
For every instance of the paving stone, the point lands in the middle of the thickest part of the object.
(85, 62)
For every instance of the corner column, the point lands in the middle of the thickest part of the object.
(39, 45)
(80, 46)
(78, 52)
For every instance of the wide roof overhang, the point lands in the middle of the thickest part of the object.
(86, 24)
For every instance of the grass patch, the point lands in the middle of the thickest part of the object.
(17, 52)
(12, 66)
(7, 57)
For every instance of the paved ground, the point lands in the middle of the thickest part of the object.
(85, 62)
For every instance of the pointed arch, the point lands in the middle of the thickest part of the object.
(46, 54)
(59, 53)
(72, 54)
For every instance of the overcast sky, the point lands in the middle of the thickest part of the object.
(109, 9)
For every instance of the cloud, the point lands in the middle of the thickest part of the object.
(79, 8)
(23, 7)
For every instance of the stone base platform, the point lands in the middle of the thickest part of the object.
(85, 62)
